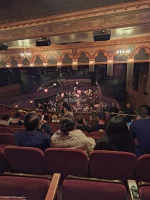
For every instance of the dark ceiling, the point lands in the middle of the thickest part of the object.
(17, 10)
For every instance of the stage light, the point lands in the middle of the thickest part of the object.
(46, 90)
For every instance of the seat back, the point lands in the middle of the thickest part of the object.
(98, 133)
(84, 189)
(18, 129)
(6, 130)
(112, 165)
(31, 188)
(4, 166)
(26, 160)
(7, 139)
(144, 191)
(143, 168)
(66, 162)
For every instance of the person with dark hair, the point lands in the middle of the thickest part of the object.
(69, 137)
(32, 136)
(128, 111)
(140, 130)
(5, 120)
(113, 109)
(67, 109)
(82, 125)
(16, 120)
(101, 124)
(117, 137)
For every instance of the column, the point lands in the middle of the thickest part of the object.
(129, 79)
(110, 68)
(148, 87)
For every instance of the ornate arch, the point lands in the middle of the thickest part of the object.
(136, 51)
(51, 59)
(83, 57)
(86, 53)
(25, 61)
(37, 55)
(67, 58)
(104, 54)
(13, 57)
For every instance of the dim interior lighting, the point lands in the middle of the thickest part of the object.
(123, 52)
(109, 61)
(31, 65)
(59, 64)
(8, 65)
(46, 90)
(62, 95)
(77, 83)
(20, 65)
(130, 60)
(75, 63)
(92, 62)
(79, 92)
(45, 64)
(78, 95)
(31, 101)
(54, 84)
(16, 106)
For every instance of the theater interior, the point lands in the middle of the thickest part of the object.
(81, 71)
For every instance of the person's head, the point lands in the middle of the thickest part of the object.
(113, 104)
(144, 111)
(17, 115)
(66, 107)
(54, 117)
(102, 115)
(117, 127)
(5, 117)
(80, 119)
(67, 124)
(31, 121)
(128, 105)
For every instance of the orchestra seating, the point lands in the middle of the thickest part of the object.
(32, 187)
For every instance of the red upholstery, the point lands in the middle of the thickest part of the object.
(6, 130)
(7, 139)
(144, 192)
(98, 134)
(31, 188)
(66, 162)
(26, 160)
(143, 168)
(4, 166)
(112, 165)
(88, 190)
(18, 129)
(86, 133)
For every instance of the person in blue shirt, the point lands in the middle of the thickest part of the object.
(32, 136)
(140, 130)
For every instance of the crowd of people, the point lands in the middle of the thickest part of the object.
(120, 130)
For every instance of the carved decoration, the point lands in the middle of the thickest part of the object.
(83, 58)
(52, 60)
(101, 57)
(26, 62)
(67, 59)
(13, 62)
(142, 55)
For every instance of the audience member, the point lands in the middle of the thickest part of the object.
(67, 109)
(68, 137)
(140, 130)
(101, 124)
(82, 125)
(113, 109)
(54, 118)
(16, 120)
(128, 111)
(5, 120)
(32, 136)
(117, 137)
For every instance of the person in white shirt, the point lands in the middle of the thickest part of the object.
(5, 120)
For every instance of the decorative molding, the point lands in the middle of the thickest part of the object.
(126, 14)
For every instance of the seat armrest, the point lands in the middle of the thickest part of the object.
(142, 183)
(51, 194)
(133, 189)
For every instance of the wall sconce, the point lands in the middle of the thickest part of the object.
(59, 64)
(62, 95)
(75, 65)
(20, 65)
(31, 101)
(131, 60)
(92, 65)
(45, 90)
(32, 65)
(110, 61)
(45, 64)
(77, 83)
(8, 65)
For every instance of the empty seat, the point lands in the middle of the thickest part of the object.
(7, 139)
(143, 168)
(4, 166)
(112, 165)
(29, 186)
(81, 189)
(6, 130)
(66, 162)
(144, 190)
(98, 133)
(26, 160)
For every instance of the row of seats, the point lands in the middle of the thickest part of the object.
(100, 164)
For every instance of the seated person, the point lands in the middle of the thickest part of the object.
(5, 120)
(81, 124)
(101, 124)
(54, 118)
(16, 120)
(68, 137)
(32, 136)
(117, 137)
(66, 109)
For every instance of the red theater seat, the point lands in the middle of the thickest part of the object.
(29, 186)
(112, 165)
(87, 189)
(18, 129)
(144, 190)
(7, 139)
(143, 168)
(98, 133)
(66, 162)
(26, 160)
(4, 166)
(6, 130)
(86, 133)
